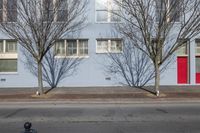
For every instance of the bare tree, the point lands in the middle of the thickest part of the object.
(158, 27)
(54, 68)
(131, 66)
(41, 22)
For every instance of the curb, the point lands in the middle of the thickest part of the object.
(99, 101)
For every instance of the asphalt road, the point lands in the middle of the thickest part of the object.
(102, 118)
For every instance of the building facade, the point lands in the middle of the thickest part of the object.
(92, 44)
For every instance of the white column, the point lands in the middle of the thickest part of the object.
(192, 62)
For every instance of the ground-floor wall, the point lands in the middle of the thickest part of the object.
(91, 71)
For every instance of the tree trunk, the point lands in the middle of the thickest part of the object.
(40, 83)
(157, 79)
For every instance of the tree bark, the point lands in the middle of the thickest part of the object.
(157, 78)
(40, 83)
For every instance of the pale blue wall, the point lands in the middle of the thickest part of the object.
(91, 71)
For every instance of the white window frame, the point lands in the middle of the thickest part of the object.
(77, 51)
(99, 51)
(8, 55)
(109, 13)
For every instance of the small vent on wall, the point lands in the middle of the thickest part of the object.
(3, 80)
(108, 78)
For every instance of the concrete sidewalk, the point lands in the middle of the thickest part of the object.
(101, 94)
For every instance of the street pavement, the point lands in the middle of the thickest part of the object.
(102, 118)
(102, 110)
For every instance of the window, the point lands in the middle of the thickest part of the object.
(197, 47)
(109, 45)
(168, 10)
(174, 9)
(11, 10)
(48, 10)
(197, 56)
(55, 10)
(183, 50)
(8, 56)
(160, 9)
(105, 11)
(8, 65)
(8, 10)
(62, 13)
(72, 47)
(1, 10)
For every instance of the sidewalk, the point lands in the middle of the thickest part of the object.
(101, 94)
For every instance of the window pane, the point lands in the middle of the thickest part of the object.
(62, 15)
(1, 15)
(116, 46)
(1, 4)
(12, 4)
(114, 5)
(102, 16)
(83, 47)
(9, 65)
(197, 64)
(1, 10)
(182, 50)
(60, 47)
(48, 15)
(197, 47)
(198, 51)
(198, 43)
(174, 8)
(11, 10)
(102, 46)
(48, 12)
(48, 4)
(101, 4)
(11, 46)
(115, 17)
(160, 15)
(11, 15)
(1, 46)
(62, 4)
(71, 48)
(161, 6)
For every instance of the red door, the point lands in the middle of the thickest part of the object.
(197, 77)
(197, 69)
(182, 72)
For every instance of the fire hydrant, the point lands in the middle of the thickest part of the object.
(27, 127)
